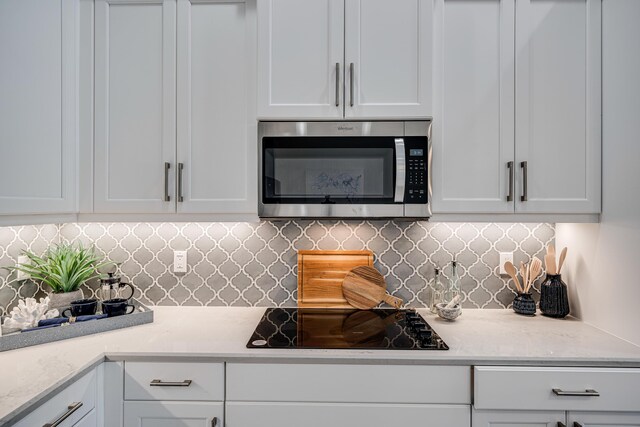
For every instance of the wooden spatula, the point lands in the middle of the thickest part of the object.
(511, 271)
(563, 255)
(364, 288)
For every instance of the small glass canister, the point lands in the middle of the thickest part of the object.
(554, 298)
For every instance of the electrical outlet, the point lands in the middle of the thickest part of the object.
(22, 259)
(504, 257)
(179, 261)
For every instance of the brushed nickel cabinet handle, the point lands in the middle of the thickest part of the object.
(337, 84)
(70, 410)
(167, 166)
(160, 383)
(525, 195)
(214, 422)
(586, 393)
(351, 67)
(180, 169)
(511, 176)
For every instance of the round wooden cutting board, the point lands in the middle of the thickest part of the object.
(364, 288)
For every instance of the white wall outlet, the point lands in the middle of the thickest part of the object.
(22, 259)
(179, 261)
(504, 257)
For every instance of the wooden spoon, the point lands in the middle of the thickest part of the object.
(364, 288)
(563, 255)
(511, 271)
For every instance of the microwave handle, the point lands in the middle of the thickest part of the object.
(401, 170)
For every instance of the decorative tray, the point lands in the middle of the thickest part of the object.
(17, 339)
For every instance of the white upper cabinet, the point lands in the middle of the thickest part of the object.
(172, 101)
(387, 58)
(38, 108)
(328, 59)
(300, 58)
(216, 144)
(517, 107)
(473, 130)
(558, 108)
(135, 107)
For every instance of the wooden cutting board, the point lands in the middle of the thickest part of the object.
(364, 288)
(320, 276)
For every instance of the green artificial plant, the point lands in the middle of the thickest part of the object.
(63, 267)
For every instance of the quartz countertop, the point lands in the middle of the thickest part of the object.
(479, 337)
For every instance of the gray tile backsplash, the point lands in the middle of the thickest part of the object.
(255, 264)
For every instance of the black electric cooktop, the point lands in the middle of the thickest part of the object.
(377, 329)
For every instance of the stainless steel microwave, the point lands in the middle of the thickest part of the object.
(344, 169)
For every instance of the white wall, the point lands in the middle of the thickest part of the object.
(603, 261)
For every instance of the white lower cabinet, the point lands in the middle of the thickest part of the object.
(68, 407)
(603, 419)
(173, 414)
(289, 414)
(521, 396)
(89, 420)
(318, 395)
(507, 418)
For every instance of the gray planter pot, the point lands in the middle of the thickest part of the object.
(63, 300)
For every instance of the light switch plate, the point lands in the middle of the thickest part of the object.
(179, 261)
(504, 257)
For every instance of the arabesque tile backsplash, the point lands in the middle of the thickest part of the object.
(255, 264)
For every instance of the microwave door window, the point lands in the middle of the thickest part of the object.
(329, 175)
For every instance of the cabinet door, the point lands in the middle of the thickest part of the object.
(518, 418)
(134, 106)
(270, 414)
(300, 57)
(473, 136)
(603, 419)
(173, 414)
(558, 108)
(38, 140)
(388, 58)
(216, 144)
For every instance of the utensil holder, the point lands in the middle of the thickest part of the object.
(524, 304)
(554, 299)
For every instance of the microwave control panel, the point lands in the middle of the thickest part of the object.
(416, 180)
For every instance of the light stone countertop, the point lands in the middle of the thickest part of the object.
(479, 337)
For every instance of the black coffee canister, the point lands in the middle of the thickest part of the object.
(554, 299)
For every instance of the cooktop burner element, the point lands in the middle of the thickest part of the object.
(377, 329)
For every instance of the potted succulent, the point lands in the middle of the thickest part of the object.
(64, 268)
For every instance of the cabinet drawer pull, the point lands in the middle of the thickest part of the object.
(214, 422)
(337, 84)
(525, 195)
(167, 166)
(586, 393)
(511, 172)
(70, 410)
(180, 198)
(160, 383)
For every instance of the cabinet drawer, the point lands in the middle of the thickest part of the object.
(174, 414)
(173, 381)
(83, 392)
(348, 383)
(287, 414)
(533, 388)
